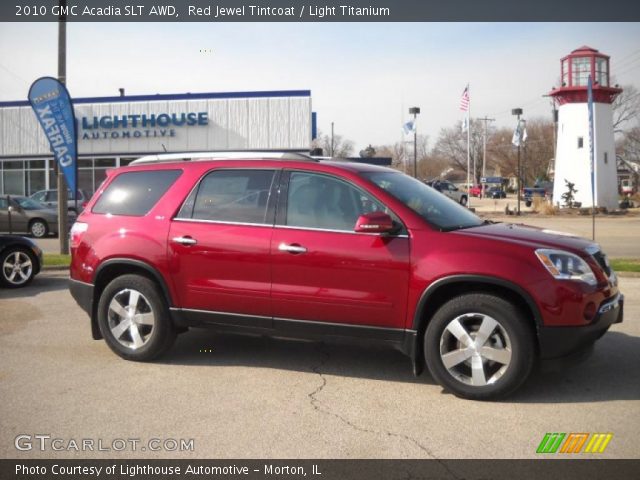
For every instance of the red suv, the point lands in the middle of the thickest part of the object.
(289, 246)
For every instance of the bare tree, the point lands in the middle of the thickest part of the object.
(401, 154)
(626, 109)
(451, 147)
(535, 155)
(342, 147)
(629, 145)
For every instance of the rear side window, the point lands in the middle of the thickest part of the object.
(135, 193)
(238, 196)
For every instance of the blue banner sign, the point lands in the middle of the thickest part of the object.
(52, 105)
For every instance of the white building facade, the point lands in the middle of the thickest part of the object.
(113, 131)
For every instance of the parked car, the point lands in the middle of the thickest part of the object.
(23, 215)
(450, 190)
(476, 191)
(290, 246)
(20, 261)
(50, 199)
(495, 192)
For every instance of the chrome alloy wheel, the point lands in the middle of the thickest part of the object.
(17, 268)
(475, 349)
(131, 318)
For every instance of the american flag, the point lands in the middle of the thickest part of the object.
(464, 101)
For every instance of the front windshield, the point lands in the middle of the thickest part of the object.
(430, 204)
(29, 204)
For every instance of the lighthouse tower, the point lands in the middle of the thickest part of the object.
(572, 153)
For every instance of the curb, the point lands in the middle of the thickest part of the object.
(54, 268)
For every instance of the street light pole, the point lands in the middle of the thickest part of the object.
(518, 112)
(415, 111)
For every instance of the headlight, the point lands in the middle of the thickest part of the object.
(566, 266)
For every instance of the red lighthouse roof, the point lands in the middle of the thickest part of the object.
(575, 70)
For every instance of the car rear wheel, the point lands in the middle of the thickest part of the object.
(17, 268)
(38, 228)
(479, 346)
(134, 318)
(463, 201)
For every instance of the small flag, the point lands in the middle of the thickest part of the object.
(464, 100)
(465, 124)
(519, 134)
(409, 127)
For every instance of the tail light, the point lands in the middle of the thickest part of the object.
(77, 230)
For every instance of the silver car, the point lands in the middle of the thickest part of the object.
(22, 215)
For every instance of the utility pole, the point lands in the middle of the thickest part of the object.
(331, 155)
(485, 120)
(63, 224)
(518, 112)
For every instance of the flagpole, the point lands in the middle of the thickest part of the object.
(468, 147)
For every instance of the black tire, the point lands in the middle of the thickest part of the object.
(513, 337)
(38, 228)
(528, 203)
(156, 338)
(17, 278)
(463, 201)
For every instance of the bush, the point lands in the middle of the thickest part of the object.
(543, 206)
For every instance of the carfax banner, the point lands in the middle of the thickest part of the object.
(52, 105)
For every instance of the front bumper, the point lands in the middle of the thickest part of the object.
(562, 341)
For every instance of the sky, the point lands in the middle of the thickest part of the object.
(362, 76)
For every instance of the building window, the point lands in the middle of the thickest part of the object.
(581, 69)
(602, 72)
(606, 157)
(580, 142)
(565, 72)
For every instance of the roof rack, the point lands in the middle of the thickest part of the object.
(221, 155)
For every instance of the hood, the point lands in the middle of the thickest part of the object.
(532, 236)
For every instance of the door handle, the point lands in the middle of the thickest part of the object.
(184, 240)
(294, 248)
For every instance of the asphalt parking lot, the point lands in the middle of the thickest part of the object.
(252, 397)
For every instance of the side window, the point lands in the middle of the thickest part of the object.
(320, 201)
(52, 196)
(135, 193)
(39, 197)
(239, 196)
(3, 203)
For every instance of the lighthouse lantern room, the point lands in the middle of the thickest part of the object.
(572, 161)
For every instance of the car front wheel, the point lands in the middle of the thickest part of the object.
(463, 201)
(38, 228)
(479, 346)
(17, 268)
(134, 319)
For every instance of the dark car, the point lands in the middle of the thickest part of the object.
(495, 192)
(20, 261)
(294, 247)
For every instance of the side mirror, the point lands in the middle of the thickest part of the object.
(374, 222)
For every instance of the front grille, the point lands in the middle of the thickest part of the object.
(601, 258)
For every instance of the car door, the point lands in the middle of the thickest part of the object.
(323, 271)
(219, 247)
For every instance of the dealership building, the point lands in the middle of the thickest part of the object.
(113, 131)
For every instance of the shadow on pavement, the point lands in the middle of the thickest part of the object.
(41, 284)
(610, 373)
